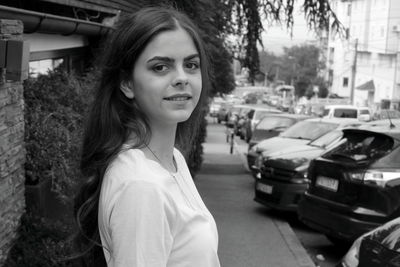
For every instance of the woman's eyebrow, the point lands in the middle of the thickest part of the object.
(168, 59)
(158, 58)
(191, 57)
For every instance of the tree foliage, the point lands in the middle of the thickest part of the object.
(246, 23)
(210, 18)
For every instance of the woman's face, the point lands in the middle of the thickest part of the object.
(167, 78)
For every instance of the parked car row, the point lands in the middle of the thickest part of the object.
(344, 184)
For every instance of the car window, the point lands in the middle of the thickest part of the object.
(327, 138)
(364, 111)
(345, 113)
(308, 130)
(326, 112)
(271, 123)
(362, 146)
(261, 113)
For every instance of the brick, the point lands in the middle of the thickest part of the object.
(14, 27)
(12, 150)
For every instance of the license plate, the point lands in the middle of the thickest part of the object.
(327, 183)
(264, 188)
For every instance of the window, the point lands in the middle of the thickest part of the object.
(275, 123)
(345, 113)
(345, 82)
(308, 130)
(44, 66)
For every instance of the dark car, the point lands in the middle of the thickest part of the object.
(299, 133)
(273, 124)
(354, 187)
(380, 247)
(270, 126)
(283, 174)
(253, 117)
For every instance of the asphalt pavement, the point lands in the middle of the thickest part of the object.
(247, 235)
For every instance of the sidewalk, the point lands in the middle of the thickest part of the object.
(248, 236)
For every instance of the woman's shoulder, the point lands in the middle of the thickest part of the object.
(127, 165)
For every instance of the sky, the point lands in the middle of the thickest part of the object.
(276, 37)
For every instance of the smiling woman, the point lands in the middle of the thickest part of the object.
(139, 205)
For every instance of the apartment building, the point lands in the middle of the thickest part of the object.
(363, 63)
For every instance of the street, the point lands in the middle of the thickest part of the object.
(242, 224)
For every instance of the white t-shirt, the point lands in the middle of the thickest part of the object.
(151, 217)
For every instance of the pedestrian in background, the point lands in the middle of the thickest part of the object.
(139, 205)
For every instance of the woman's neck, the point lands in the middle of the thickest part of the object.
(161, 146)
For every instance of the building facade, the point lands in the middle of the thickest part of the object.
(363, 62)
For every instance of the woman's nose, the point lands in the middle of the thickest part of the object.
(181, 78)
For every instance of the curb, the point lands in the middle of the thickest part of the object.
(295, 246)
(289, 236)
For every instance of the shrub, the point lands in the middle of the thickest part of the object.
(41, 243)
(54, 108)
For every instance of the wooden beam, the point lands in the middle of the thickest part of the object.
(85, 5)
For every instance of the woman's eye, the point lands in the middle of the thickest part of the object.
(160, 68)
(192, 65)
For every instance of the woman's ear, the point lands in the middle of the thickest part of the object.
(127, 89)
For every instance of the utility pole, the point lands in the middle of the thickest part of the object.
(353, 73)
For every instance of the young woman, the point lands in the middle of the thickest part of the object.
(139, 204)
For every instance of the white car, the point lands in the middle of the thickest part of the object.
(347, 111)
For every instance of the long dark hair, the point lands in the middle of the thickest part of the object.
(114, 117)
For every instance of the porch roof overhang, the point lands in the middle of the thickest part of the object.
(47, 23)
(368, 86)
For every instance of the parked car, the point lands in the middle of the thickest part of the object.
(347, 111)
(282, 175)
(270, 126)
(301, 132)
(354, 187)
(273, 124)
(253, 116)
(379, 247)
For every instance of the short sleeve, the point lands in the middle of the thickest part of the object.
(141, 225)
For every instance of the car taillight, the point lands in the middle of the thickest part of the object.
(375, 177)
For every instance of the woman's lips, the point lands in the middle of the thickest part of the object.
(178, 98)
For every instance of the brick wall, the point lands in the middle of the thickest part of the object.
(12, 152)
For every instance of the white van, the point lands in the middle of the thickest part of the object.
(347, 111)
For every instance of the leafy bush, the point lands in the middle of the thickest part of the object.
(41, 243)
(54, 108)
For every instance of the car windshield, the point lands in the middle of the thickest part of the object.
(327, 138)
(364, 111)
(362, 146)
(345, 113)
(273, 123)
(261, 113)
(308, 130)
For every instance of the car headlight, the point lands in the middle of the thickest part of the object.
(375, 177)
(351, 257)
(259, 161)
(253, 149)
